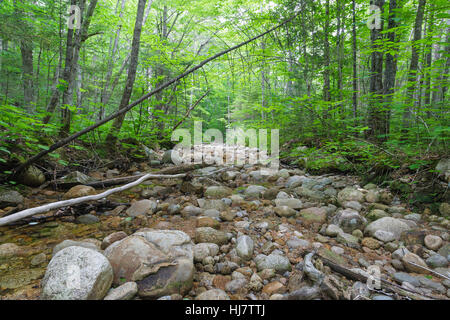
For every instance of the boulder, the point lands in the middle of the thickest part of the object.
(387, 224)
(77, 273)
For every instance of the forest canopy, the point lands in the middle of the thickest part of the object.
(347, 77)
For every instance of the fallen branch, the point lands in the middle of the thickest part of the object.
(359, 277)
(429, 270)
(124, 110)
(65, 203)
(122, 180)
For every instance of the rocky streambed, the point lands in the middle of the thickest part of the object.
(229, 233)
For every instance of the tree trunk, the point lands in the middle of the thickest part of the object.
(377, 114)
(326, 72)
(355, 65)
(80, 37)
(111, 139)
(111, 63)
(26, 49)
(391, 63)
(429, 61)
(413, 68)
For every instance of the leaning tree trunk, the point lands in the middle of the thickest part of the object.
(111, 139)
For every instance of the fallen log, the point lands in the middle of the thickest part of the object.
(386, 284)
(122, 180)
(65, 203)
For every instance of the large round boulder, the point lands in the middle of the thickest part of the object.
(77, 273)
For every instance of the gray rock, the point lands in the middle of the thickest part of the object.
(428, 283)
(10, 198)
(173, 243)
(388, 224)
(349, 220)
(124, 292)
(294, 243)
(8, 250)
(437, 261)
(113, 237)
(213, 213)
(285, 211)
(348, 240)
(203, 250)
(191, 211)
(350, 194)
(244, 247)
(433, 242)
(143, 207)
(235, 285)
(38, 259)
(401, 277)
(355, 205)
(333, 230)
(291, 203)
(384, 236)
(273, 261)
(217, 192)
(77, 273)
(414, 217)
(87, 219)
(295, 181)
(210, 235)
(216, 204)
(173, 209)
(71, 243)
(155, 272)
(175, 278)
(254, 191)
(399, 253)
(445, 250)
(381, 297)
(214, 294)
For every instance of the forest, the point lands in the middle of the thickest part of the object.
(93, 93)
